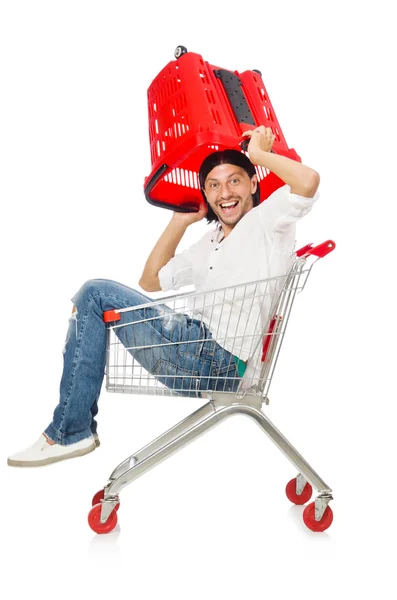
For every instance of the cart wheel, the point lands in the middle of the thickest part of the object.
(179, 50)
(100, 496)
(310, 521)
(94, 520)
(306, 494)
(257, 71)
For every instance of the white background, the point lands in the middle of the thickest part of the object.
(213, 521)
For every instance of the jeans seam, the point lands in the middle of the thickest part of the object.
(74, 365)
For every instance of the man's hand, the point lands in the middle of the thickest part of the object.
(302, 180)
(262, 140)
(187, 219)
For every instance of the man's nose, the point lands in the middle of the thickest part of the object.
(225, 191)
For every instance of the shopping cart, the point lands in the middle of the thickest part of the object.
(249, 322)
(194, 109)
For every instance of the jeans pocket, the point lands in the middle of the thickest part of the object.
(185, 382)
(225, 378)
(190, 340)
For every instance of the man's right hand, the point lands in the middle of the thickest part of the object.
(187, 219)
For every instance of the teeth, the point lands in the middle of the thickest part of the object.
(226, 204)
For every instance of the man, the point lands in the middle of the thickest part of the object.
(252, 242)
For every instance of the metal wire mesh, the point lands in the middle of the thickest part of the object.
(225, 340)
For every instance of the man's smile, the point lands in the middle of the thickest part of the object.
(228, 207)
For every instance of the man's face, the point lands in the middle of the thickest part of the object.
(229, 190)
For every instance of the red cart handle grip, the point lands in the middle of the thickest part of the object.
(321, 250)
(111, 315)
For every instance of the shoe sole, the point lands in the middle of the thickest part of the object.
(52, 459)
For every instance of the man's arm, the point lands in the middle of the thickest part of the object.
(302, 180)
(166, 246)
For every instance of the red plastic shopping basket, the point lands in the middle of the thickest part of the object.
(194, 109)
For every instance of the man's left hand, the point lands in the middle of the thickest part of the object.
(262, 140)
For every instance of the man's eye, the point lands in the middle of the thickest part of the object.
(235, 181)
(213, 186)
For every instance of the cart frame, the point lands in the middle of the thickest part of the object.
(248, 400)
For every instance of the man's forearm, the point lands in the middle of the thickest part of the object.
(161, 254)
(302, 180)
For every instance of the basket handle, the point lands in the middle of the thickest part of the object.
(149, 185)
(244, 145)
(232, 85)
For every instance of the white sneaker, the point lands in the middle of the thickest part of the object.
(43, 453)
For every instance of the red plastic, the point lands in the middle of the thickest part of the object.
(321, 250)
(293, 497)
(304, 250)
(94, 520)
(310, 521)
(111, 315)
(268, 337)
(190, 117)
(100, 496)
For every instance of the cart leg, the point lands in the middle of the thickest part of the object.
(292, 454)
(162, 440)
(182, 434)
(138, 463)
(189, 429)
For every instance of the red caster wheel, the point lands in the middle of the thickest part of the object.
(306, 494)
(100, 496)
(94, 520)
(310, 521)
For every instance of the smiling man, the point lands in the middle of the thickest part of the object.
(229, 185)
(252, 241)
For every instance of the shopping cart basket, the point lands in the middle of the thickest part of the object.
(247, 320)
(195, 109)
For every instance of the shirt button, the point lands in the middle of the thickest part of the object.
(210, 267)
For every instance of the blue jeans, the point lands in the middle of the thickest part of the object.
(85, 355)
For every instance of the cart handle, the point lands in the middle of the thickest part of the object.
(111, 315)
(320, 251)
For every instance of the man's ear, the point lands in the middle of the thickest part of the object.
(254, 183)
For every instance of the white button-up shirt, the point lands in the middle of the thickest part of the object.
(261, 246)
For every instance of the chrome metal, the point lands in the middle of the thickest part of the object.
(321, 504)
(186, 431)
(226, 399)
(164, 439)
(107, 507)
(266, 304)
(238, 318)
(300, 484)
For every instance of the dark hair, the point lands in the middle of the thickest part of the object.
(228, 157)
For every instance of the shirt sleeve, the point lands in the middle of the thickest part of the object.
(281, 211)
(177, 272)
